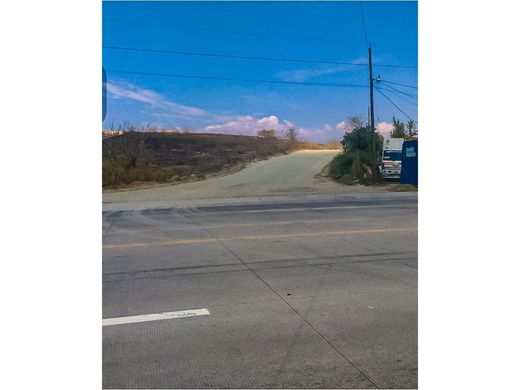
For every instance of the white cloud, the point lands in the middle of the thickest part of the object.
(304, 74)
(167, 107)
(269, 122)
(384, 128)
(341, 125)
(248, 125)
(324, 133)
(164, 112)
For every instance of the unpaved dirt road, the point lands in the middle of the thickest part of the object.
(279, 177)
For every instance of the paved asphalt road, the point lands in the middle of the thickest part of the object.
(315, 293)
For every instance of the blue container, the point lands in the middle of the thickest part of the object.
(410, 159)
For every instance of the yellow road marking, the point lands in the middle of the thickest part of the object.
(255, 237)
(277, 223)
(232, 225)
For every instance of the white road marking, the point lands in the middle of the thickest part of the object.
(155, 317)
(317, 208)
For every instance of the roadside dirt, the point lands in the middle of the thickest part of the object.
(229, 170)
(300, 174)
(401, 188)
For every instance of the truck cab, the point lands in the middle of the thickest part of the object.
(391, 158)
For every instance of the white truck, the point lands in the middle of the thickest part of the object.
(391, 158)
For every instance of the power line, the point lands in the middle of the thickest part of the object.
(237, 32)
(232, 56)
(237, 79)
(402, 85)
(394, 66)
(395, 105)
(191, 53)
(364, 25)
(397, 95)
(400, 92)
(296, 37)
(394, 48)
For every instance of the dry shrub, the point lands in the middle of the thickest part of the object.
(401, 188)
(137, 156)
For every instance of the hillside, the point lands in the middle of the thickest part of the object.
(165, 157)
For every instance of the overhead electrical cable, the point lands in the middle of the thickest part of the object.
(296, 37)
(402, 85)
(395, 105)
(395, 66)
(233, 56)
(363, 20)
(400, 92)
(237, 79)
(397, 95)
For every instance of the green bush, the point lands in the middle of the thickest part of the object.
(356, 158)
(340, 165)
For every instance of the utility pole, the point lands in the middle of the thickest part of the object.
(374, 159)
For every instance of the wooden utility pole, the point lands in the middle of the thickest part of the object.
(372, 128)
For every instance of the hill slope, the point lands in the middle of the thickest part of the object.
(144, 157)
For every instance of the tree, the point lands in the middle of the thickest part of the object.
(267, 133)
(412, 128)
(398, 131)
(356, 158)
(354, 122)
(291, 134)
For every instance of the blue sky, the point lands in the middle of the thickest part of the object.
(317, 31)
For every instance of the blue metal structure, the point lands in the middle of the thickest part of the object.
(410, 163)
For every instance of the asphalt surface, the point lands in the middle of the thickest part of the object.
(315, 293)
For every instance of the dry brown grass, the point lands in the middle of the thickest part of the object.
(401, 188)
(167, 157)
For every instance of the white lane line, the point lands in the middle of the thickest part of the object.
(155, 317)
(319, 208)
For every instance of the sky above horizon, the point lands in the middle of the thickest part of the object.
(142, 88)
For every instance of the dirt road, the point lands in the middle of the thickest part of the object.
(283, 176)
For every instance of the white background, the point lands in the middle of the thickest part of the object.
(51, 194)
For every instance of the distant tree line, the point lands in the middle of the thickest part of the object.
(401, 130)
(290, 134)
